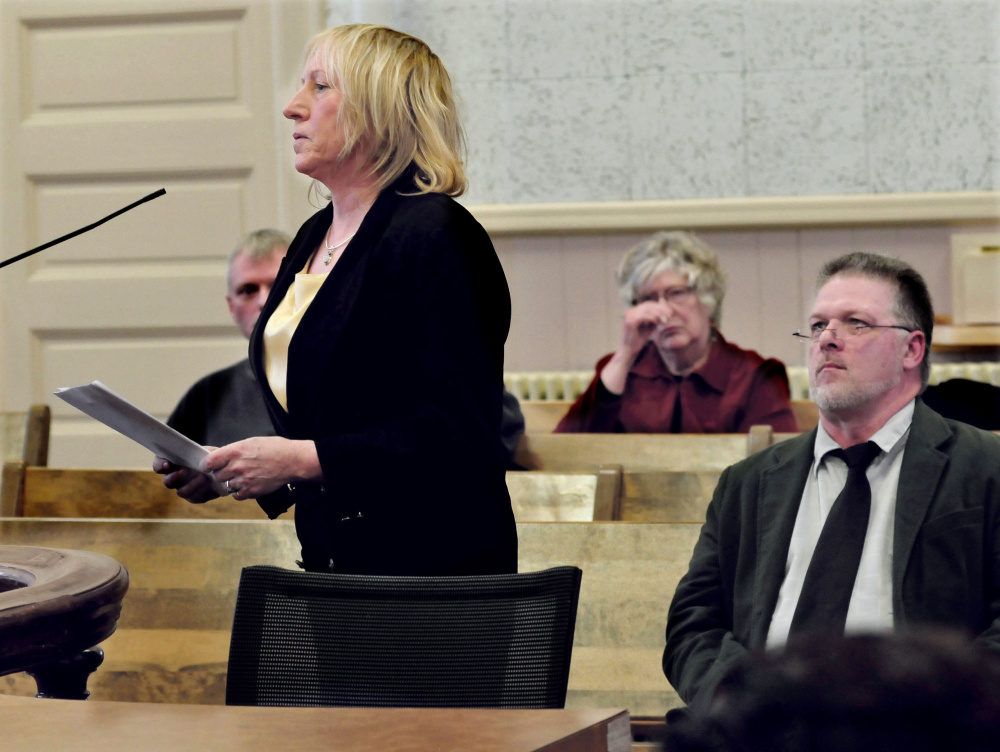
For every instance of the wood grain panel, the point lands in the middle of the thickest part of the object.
(552, 497)
(172, 643)
(60, 492)
(741, 308)
(538, 325)
(569, 452)
(665, 496)
(542, 416)
(781, 307)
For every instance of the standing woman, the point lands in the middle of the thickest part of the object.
(380, 349)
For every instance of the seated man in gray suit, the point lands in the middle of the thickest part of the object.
(227, 406)
(902, 529)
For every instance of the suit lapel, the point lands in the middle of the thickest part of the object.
(923, 464)
(322, 326)
(305, 241)
(779, 496)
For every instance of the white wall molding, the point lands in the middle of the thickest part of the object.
(967, 207)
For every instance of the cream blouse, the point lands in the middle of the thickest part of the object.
(281, 326)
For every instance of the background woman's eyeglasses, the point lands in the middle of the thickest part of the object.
(673, 296)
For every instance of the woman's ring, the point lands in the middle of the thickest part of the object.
(228, 489)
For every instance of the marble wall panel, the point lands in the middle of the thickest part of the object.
(471, 38)
(486, 115)
(993, 116)
(805, 133)
(554, 39)
(928, 32)
(992, 27)
(664, 99)
(930, 129)
(686, 136)
(568, 140)
(790, 36)
(667, 37)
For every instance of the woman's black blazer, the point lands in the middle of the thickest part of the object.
(395, 371)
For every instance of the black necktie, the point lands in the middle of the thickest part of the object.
(826, 591)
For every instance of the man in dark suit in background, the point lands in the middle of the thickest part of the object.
(927, 546)
(226, 406)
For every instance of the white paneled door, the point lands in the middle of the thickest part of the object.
(101, 103)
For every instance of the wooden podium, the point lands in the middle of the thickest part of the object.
(55, 605)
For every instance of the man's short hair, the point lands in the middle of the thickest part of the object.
(258, 245)
(912, 304)
(923, 692)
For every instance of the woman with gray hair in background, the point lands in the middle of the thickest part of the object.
(673, 371)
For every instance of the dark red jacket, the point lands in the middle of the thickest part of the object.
(734, 390)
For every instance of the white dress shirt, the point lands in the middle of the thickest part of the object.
(871, 599)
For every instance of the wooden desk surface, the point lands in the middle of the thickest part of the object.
(30, 725)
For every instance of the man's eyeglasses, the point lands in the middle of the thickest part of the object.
(845, 329)
(674, 296)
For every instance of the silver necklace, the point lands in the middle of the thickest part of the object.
(331, 248)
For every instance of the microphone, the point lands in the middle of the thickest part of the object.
(98, 223)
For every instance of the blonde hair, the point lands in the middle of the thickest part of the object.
(397, 106)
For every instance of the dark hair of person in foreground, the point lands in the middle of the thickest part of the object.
(926, 692)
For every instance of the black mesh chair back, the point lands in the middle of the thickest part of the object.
(487, 641)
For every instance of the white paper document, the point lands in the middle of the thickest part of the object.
(116, 412)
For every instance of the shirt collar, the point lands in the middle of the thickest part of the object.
(714, 373)
(887, 437)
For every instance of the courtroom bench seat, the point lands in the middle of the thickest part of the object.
(608, 494)
(542, 416)
(31, 491)
(24, 436)
(173, 637)
(578, 452)
(140, 494)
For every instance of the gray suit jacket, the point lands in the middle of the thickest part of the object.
(946, 548)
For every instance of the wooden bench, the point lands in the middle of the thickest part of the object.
(30, 491)
(578, 452)
(24, 437)
(608, 494)
(173, 637)
(538, 496)
(806, 414)
(542, 416)
(662, 477)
